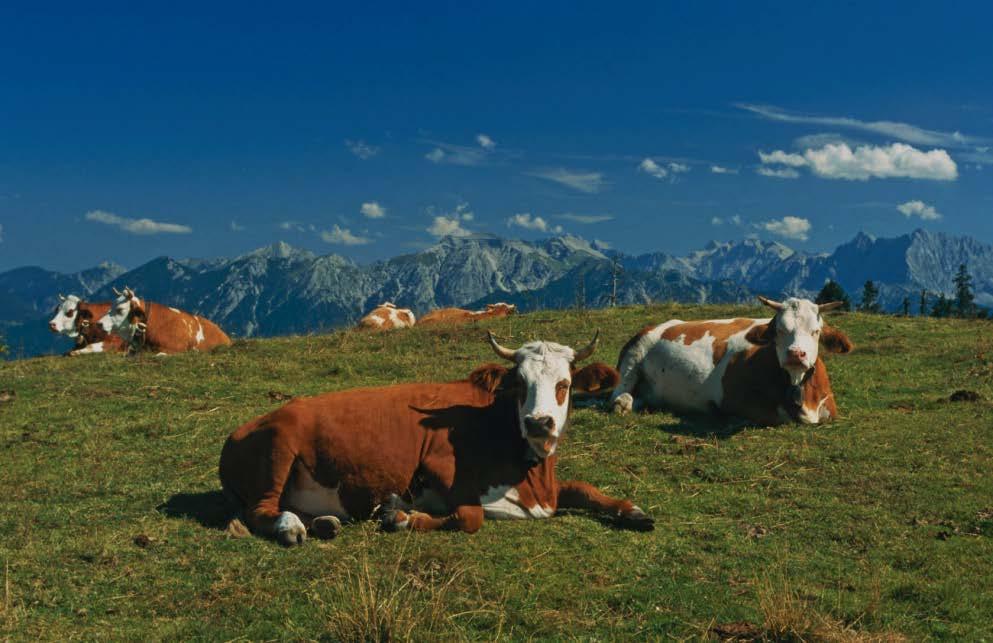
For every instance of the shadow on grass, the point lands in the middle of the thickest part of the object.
(209, 508)
(705, 426)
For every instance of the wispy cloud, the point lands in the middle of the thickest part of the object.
(839, 161)
(1, 233)
(778, 173)
(651, 168)
(361, 149)
(892, 129)
(732, 220)
(343, 237)
(137, 226)
(485, 141)
(789, 227)
(585, 218)
(297, 226)
(719, 169)
(373, 210)
(528, 222)
(919, 209)
(588, 182)
(235, 226)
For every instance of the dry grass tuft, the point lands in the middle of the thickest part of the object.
(10, 612)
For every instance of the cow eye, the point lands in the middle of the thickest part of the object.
(564, 384)
(71, 312)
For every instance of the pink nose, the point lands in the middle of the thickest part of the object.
(51, 327)
(797, 354)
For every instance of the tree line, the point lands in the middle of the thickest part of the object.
(963, 304)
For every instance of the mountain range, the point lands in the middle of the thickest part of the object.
(279, 289)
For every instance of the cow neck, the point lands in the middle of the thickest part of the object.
(795, 393)
(139, 337)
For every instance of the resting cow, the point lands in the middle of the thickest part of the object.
(387, 316)
(461, 316)
(77, 320)
(144, 325)
(765, 371)
(457, 452)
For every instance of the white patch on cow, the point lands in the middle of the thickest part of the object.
(541, 366)
(116, 319)
(798, 329)
(199, 337)
(95, 347)
(376, 319)
(306, 495)
(814, 416)
(175, 310)
(64, 321)
(504, 503)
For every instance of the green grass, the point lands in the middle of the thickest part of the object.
(880, 524)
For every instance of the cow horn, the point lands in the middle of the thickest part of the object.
(587, 350)
(505, 353)
(771, 303)
(128, 293)
(116, 291)
(831, 305)
(62, 297)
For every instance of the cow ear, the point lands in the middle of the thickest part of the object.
(594, 378)
(489, 377)
(762, 334)
(834, 340)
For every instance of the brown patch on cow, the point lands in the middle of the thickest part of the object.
(381, 318)
(561, 392)
(460, 315)
(489, 377)
(595, 378)
(720, 331)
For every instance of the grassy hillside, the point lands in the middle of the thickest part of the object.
(878, 525)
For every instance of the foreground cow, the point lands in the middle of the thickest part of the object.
(460, 316)
(144, 325)
(77, 320)
(765, 371)
(458, 452)
(387, 316)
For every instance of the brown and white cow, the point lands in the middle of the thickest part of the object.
(144, 325)
(431, 456)
(77, 320)
(461, 316)
(765, 371)
(386, 316)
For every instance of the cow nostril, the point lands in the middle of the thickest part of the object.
(539, 426)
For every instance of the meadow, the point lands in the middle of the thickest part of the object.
(876, 527)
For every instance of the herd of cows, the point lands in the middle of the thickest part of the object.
(426, 456)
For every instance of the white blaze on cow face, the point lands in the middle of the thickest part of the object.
(118, 320)
(798, 329)
(64, 321)
(544, 377)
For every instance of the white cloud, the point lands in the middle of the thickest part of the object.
(585, 218)
(137, 226)
(447, 227)
(782, 158)
(650, 167)
(891, 129)
(783, 173)
(297, 226)
(840, 161)
(235, 226)
(343, 236)
(679, 168)
(528, 222)
(733, 220)
(717, 169)
(919, 209)
(450, 154)
(485, 141)
(588, 182)
(437, 155)
(789, 227)
(716, 221)
(361, 149)
(1, 233)
(373, 210)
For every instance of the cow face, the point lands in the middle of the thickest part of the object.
(796, 331)
(124, 315)
(64, 321)
(544, 377)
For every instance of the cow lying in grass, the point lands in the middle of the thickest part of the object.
(386, 316)
(77, 320)
(765, 371)
(144, 325)
(462, 316)
(457, 452)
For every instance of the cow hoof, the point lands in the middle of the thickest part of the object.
(391, 518)
(325, 527)
(289, 530)
(637, 520)
(623, 404)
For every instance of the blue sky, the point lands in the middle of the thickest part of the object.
(127, 133)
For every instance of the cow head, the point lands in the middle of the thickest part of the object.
(542, 379)
(64, 321)
(125, 316)
(796, 330)
(501, 309)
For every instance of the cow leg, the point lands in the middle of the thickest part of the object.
(467, 518)
(95, 347)
(622, 399)
(574, 494)
(266, 516)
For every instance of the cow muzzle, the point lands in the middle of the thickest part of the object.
(541, 436)
(52, 327)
